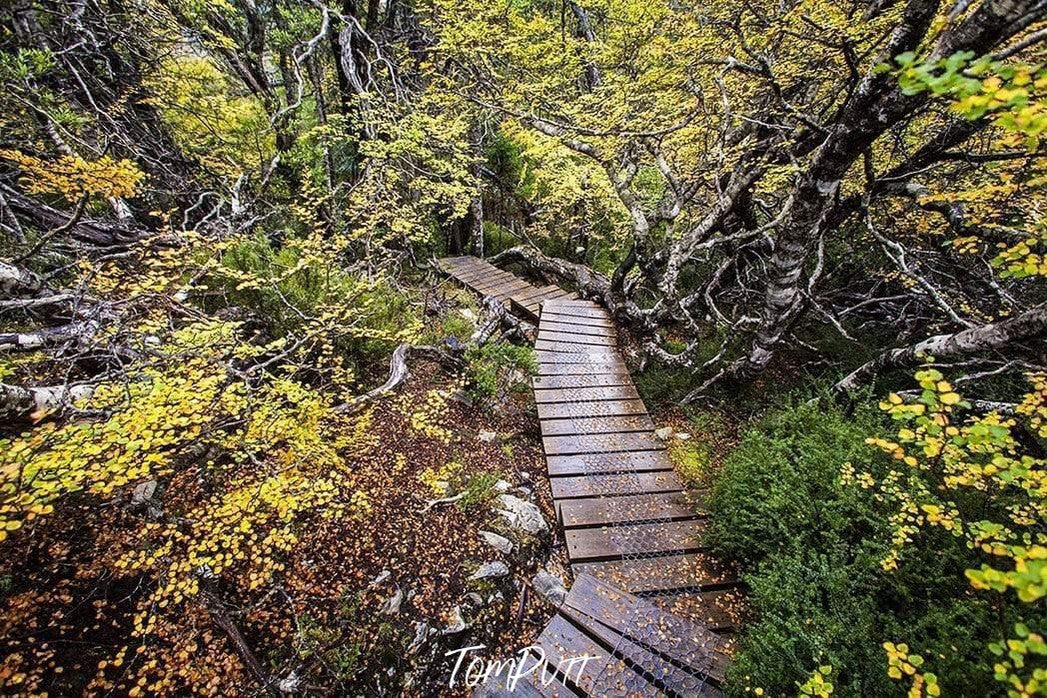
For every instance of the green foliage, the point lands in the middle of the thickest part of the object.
(661, 383)
(26, 64)
(498, 368)
(691, 460)
(228, 133)
(814, 547)
(780, 486)
(290, 284)
(1011, 93)
(478, 490)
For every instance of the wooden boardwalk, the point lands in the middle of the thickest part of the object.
(488, 280)
(626, 516)
(646, 598)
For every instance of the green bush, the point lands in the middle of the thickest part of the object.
(780, 487)
(812, 550)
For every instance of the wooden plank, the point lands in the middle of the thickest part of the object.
(605, 676)
(561, 294)
(635, 539)
(586, 330)
(533, 685)
(717, 610)
(631, 462)
(580, 303)
(477, 275)
(595, 331)
(582, 381)
(596, 425)
(537, 293)
(550, 315)
(499, 288)
(553, 369)
(483, 275)
(691, 571)
(596, 360)
(603, 408)
(578, 311)
(666, 675)
(575, 338)
(619, 392)
(597, 511)
(601, 443)
(568, 486)
(583, 351)
(683, 641)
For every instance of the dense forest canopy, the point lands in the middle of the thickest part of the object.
(216, 227)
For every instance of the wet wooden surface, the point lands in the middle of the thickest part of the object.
(630, 527)
(488, 280)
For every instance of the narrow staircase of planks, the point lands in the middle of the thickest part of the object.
(647, 600)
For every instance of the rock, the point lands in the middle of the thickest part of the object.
(663, 433)
(499, 543)
(143, 493)
(290, 683)
(457, 623)
(489, 570)
(549, 587)
(522, 515)
(524, 492)
(392, 605)
(382, 576)
(475, 599)
(525, 476)
(421, 634)
(502, 486)
(488, 437)
(682, 435)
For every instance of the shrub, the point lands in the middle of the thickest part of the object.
(814, 549)
(780, 487)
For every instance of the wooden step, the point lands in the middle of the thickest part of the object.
(590, 380)
(682, 642)
(550, 314)
(619, 392)
(601, 443)
(584, 544)
(606, 675)
(583, 352)
(698, 571)
(588, 330)
(545, 335)
(555, 368)
(596, 425)
(599, 408)
(574, 486)
(599, 511)
(629, 463)
(719, 610)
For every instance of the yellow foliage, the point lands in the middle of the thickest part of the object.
(74, 177)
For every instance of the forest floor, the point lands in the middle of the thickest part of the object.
(375, 602)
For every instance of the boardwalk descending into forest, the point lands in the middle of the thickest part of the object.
(488, 280)
(646, 597)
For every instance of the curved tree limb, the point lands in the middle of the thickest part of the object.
(1032, 324)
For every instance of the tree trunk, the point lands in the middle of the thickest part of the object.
(878, 104)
